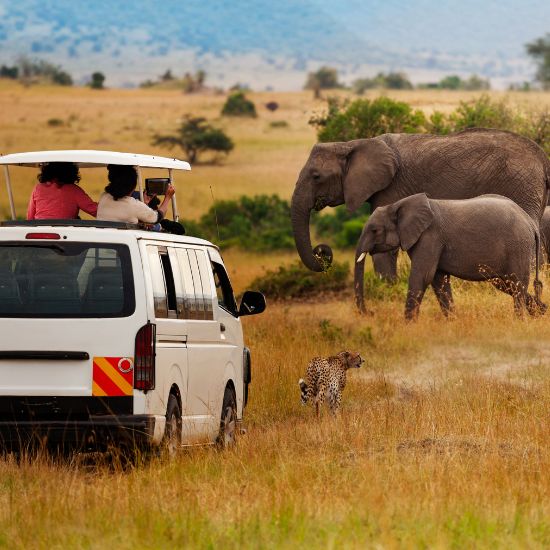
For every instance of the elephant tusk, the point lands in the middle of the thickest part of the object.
(361, 258)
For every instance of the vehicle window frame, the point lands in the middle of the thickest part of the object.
(126, 267)
(224, 280)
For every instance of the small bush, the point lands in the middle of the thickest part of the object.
(296, 281)
(237, 104)
(258, 223)
(55, 122)
(279, 124)
(376, 288)
(366, 118)
(340, 227)
(483, 113)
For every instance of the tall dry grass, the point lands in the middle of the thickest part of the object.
(442, 442)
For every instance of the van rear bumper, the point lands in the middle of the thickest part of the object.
(99, 431)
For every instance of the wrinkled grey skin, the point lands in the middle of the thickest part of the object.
(390, 167)
(545, 232)
(485, 238)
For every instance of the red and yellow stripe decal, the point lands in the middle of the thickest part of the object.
(113, 376)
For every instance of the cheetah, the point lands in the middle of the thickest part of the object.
(326, 377)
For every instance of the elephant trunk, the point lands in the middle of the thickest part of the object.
(300, 226)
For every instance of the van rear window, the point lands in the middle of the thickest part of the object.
(61, 279)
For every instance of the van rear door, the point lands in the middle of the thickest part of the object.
(65, 326)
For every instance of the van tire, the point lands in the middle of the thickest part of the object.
(227, 436)
(172, 430)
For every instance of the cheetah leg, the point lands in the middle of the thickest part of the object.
(320, 399)
(334, 400)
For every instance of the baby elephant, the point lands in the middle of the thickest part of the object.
(326, 378)
(484, 238)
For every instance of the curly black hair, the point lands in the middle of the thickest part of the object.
(122, 180)
(63, 173)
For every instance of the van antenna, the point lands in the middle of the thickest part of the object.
(215, 212)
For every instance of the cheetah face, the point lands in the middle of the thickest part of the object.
(352, 359)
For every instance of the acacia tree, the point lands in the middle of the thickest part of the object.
(539, 50)
(195, 135)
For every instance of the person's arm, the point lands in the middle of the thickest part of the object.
(145, 214)
(31, 208)
(85, 203)
(163, 207)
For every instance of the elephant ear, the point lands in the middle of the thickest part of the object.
(371, 166)
(414, 216)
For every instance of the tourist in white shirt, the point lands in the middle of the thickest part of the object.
(117, 204)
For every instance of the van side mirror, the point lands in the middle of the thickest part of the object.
(252, 303)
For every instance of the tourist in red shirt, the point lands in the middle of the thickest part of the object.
(58, 196)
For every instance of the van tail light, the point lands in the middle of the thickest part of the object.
(48, 236)
(144, 358)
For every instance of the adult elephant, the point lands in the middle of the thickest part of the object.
(389, 167)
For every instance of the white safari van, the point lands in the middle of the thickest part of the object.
(112, 333)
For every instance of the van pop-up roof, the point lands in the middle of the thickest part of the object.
(92, 159)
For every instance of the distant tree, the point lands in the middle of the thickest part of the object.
(193, 83)
(97, 81)
(451, 82)
(361, 85)
(391, 81)
(195, 135)
(62, 78)
(37, 70)
(9, 72)
(239, 87)
(476, 83)
(325, 78)
(454, 82)
(539, 50)
(237, 104)
(167, 76)
(397, 81)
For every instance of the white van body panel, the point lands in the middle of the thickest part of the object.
(199, 343)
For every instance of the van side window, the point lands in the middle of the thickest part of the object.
(168, 281)
(159, 287)
(206, 284)
(190, 301)
(224, 292)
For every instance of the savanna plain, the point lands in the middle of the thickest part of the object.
(443, 439)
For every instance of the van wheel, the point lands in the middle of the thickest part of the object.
(172, 430)
(228, 426)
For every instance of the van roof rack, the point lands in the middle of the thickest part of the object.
(71, 223)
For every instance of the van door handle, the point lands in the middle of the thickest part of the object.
(222, 327)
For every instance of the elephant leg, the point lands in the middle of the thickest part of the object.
(444, 294)
(516, 288)
(424, 260)
(385, 265)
